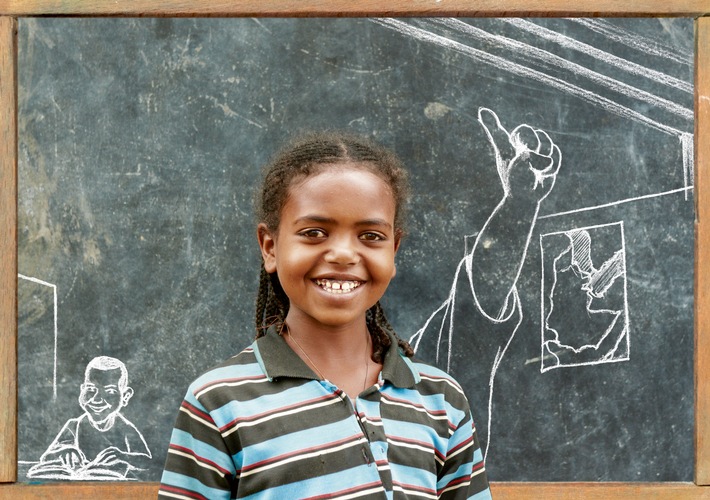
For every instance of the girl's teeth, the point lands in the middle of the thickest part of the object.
(334, 286)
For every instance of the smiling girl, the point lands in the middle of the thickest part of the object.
(327, 402)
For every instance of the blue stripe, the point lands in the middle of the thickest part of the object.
(463, 471)
(226, 372)
(433, 403)
(413, 476)
(188, 483)
(297, 441)
(269, 402)
(322, 485)
(408, 430)
(484, 495)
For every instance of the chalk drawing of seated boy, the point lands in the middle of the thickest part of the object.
(101, 444)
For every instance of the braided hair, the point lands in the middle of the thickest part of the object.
(302, 158)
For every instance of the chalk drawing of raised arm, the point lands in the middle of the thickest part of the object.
(527, 162)
(101, 444)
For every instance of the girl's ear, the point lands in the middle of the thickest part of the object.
(397, 241)
(267, 244)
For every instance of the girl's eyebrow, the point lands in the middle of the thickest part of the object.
(319, 219)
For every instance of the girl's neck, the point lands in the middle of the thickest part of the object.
(341, 355)
(329, 342)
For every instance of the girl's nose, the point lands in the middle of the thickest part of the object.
(342, 252)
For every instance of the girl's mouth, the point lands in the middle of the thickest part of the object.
(337, 286)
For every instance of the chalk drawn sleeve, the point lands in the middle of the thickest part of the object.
(65, 446)
(135, 445)
(199, 464)
(527, 162)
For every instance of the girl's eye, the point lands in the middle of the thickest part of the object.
(313, 233)
(370, 236)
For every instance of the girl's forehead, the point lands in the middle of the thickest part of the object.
(350, 189)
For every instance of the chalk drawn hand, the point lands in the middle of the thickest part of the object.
(527, 159)
(111, 456)
(71, 458)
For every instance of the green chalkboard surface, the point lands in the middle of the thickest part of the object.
(567, 320)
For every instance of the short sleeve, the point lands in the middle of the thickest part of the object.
(464, 474)
(198, 464)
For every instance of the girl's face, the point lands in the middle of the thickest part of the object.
(335, 246)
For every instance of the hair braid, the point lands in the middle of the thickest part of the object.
(271, 303)
(380, 329)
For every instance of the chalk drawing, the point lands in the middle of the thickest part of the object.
(54, 294)
(576, 285)
(580, 269)
(427, 34)
(101, 444)
(527, 162)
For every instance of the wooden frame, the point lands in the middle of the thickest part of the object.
(10, 10)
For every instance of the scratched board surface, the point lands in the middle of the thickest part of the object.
(559, 295)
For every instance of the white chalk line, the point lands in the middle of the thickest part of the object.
(500, 62)
(634, 41)
(601, 55)
(559, 62)
(545, 325)
(619, 202)
(56, 330)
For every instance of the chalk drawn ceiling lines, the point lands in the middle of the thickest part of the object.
(676, 118)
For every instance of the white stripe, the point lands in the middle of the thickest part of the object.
(280, 414)
(361, 493)
(457, 486)
(174, 495)
(229, 384)
(416, 447)
(295, 458)
(414, 492)
(422, 410)
(449, 382)
(460, 450)
(199, 419)
(192, 457)
(479, 471)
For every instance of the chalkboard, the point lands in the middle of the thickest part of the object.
(140, 143)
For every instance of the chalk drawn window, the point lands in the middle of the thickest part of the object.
(585, 317)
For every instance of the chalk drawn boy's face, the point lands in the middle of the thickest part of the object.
(101, 397)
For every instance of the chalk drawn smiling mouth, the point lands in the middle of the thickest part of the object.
(96, 408)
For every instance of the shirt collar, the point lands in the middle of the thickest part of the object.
(277, 359)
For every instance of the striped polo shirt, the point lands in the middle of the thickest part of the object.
(262, 425)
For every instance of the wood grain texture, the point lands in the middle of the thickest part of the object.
(557, 8)
(501, 491)
(702, 253)
(8, 252)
